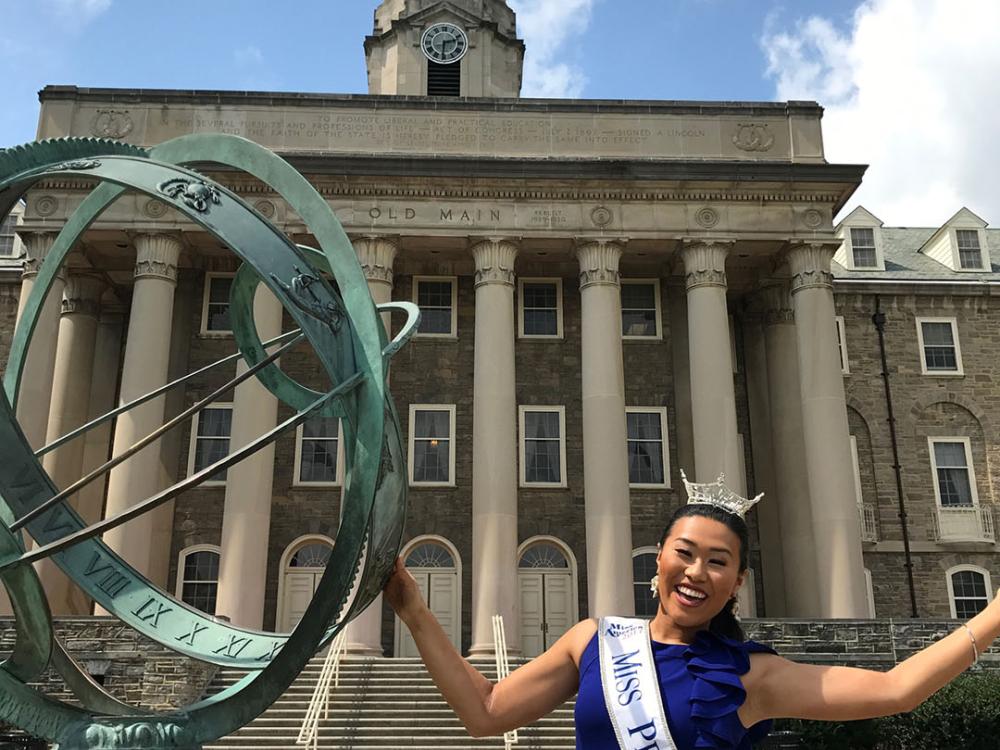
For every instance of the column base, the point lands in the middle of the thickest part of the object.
(487, 651)
(362, 651)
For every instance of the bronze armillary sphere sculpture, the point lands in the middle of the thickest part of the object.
(345, 331)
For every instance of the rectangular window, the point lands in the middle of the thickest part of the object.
(939, 346)
(970, 254)
(210, 433)
(640, 309)
(317, 458)
(842, 345)
(543, 446)
(7, 227)
(540, 308)
(437, 299)
(215, 308)
(432, 447)
(648, 463)
(970, 594)
(863, 248)
(954, 481)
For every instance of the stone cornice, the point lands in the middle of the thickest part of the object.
(810, 266)
(494, 259)
(599, 261)
(376, 254)
(157, 256)
(705, 262)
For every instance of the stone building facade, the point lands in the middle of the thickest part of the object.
(612, 292)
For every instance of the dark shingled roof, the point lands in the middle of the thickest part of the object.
(904, 261)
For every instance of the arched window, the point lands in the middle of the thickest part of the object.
(543, 555)
(643, 569)
(969, 591)
(435, 565)
(198, 577)
(430, 555)
(315, 555)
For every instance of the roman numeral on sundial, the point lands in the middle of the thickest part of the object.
(152, 611)
(235, 646)
(196, 630)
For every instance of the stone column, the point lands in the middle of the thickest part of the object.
(377, 256)
(826, 437)
(680, 354)
(69, 409)
(147, 352)
(246, 515)
(713, 395)
(494, 450)
(36, 382)
(791, 475)
(605, 441)
(759, 406)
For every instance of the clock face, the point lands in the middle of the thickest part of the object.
(444, 43)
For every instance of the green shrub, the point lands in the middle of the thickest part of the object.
(965, 714)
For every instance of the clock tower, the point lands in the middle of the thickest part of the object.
(445, 48)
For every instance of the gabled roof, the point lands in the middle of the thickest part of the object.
(860, 215)
(963, 213)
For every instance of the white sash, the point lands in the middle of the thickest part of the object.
(631, 687)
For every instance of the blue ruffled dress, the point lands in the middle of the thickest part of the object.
(701, 690)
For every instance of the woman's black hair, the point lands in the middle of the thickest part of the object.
(724, 623)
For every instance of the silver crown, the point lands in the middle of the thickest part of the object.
(718, 494)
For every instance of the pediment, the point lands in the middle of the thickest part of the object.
(444, 11)
(861, 217)
(963, 219)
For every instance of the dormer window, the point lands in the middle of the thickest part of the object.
(863, 248)
(970, 254)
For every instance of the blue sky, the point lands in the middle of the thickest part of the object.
(913, 113)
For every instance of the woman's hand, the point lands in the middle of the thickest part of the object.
(403, 593)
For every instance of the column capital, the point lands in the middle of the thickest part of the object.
(705, 262)
(82, 295)
(157, 256)
(494, 257)
(599, 261)
(376, 254)
(776, 297)
(810, 265)
(37, 246)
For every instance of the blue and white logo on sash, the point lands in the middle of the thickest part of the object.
(631, 689)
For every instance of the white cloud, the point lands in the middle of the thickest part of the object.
(250, 55)
(910, 88)
(79, 11)
(546, 26)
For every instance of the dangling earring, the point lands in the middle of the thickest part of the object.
(736, 608)
(654, 585)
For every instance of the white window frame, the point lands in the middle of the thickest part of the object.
(205, 331)
(15, 222)
(951, 586)
(180, 580)
(857, 471)
(967, 442)
(559, 308)
(450, 408)
(655, 283)
(297, 480)
(453, 334)
(849, 242)
(870, 591)
(984, 254)
(664, 444)
(194, 442)
(845, 365)
(522, 473)
(959, 370)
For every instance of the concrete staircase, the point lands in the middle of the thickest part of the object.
(381, 704)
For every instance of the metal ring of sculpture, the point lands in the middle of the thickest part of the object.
(346, 333)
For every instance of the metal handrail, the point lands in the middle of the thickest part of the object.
(970, 523)
(503, 667)
(320, 703)
(869, 522)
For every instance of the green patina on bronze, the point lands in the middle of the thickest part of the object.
(344, 328)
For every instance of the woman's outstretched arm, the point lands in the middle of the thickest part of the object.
(484, 708)
(778, 688)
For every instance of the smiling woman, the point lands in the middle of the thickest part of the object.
(688, 678)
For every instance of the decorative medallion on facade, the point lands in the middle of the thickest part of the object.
(112, 123)
(601, 216)
(155, 209)
(46, 205)
(265, 208)
(813, 218)
(753, 137)
(707, 217)
(196, 194)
